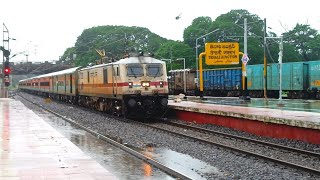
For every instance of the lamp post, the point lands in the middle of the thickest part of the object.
(169, 60)
(184, 75)
(197, 64)
(27, 62)
(280, 70)
(245, 94)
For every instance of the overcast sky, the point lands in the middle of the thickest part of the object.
(45, 28)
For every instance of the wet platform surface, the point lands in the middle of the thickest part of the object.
(296, 120)
(287, 104)
(31, 149)
(298, 113)
(122, 164)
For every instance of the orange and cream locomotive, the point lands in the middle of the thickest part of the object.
(134, 87)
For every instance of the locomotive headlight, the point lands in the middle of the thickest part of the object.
(130, 84)
(145, 84)
(161, 83)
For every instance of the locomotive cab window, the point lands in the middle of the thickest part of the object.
(105, 76)
(116, 71)
(154, 70)
(134, 70)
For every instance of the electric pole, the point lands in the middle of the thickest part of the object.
(265, 58)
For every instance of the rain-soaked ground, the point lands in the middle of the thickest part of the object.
(284, 104)
(124, 165)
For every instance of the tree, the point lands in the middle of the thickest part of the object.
(231, 26)
(115, 40)
(68, 56)
(303, 38)
(199, 27)
(300, 43)
(231, 29)
(173, 50)
(315, 48)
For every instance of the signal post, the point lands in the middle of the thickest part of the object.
(6, 65)
(5, 74)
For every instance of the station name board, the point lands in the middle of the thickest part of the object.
(224, 53)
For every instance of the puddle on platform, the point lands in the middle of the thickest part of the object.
(288, 104)
(185, 164)
(118, 162)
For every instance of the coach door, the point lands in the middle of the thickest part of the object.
(65, 84)
(105, 80)
(57, 84)
(52, 84)
(115, 79)
(70, 84)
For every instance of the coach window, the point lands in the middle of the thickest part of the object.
(154, 70)
(44, 83)
(134, 70)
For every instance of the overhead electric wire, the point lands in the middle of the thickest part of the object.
(267, 47)
(116, 41)
(132, 35)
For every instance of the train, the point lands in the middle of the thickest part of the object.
(300, 80)
(135, 86)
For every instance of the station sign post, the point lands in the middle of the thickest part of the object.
(224, 53)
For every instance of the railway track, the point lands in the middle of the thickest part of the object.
(135, 153)
(300, 159)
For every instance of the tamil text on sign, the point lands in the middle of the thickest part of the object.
(222, 53)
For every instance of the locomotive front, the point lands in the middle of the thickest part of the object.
(147, 91)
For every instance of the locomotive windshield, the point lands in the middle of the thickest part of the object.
(154, 70)
(135, 70)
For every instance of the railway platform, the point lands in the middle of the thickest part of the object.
(31, 149)
(294, 119)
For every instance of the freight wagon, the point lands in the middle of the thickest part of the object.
(299, 80)
(222, 82)
(314, 78)
(217, 82)
(176, 81)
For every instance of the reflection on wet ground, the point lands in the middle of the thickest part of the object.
(288, 104)
(122, 164)
(182, 163)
